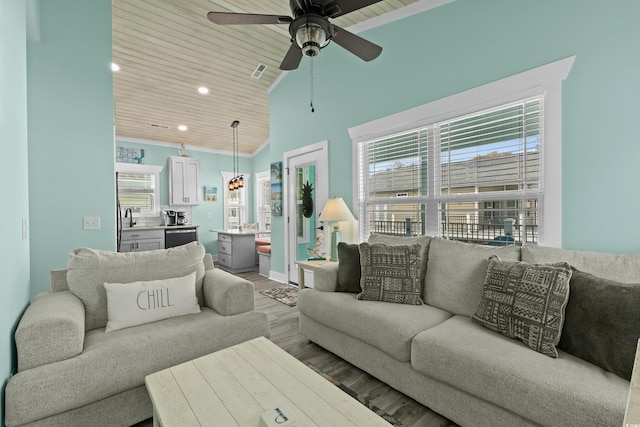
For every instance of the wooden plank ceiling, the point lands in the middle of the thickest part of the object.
(166, 49)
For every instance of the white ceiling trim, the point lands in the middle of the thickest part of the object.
(395, 15)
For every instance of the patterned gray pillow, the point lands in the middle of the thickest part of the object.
(390, 273)
(525, 301)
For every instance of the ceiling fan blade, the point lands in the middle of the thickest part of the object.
(292, 58)
(347, 6)
(228, 18)
(364, 49)
(305, 5)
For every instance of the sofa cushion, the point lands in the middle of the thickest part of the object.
(119, 361)
(566, 391)
(136, 303)
(348, 268)
(390, 273)
(525, 301)
(456, 273)
(423, 241)
(90, 269)
(602, 322)
(388, 327)
(623, 268)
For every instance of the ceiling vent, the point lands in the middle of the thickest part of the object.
(257, 73)
(158, 126)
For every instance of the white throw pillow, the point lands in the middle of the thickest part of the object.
(136, 303)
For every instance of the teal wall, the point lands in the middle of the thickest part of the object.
(468, 43)
(210, 166)
(14, 253)
(71, 146)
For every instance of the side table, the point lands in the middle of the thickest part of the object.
(309, 265)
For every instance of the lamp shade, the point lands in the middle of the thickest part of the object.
(335, 210)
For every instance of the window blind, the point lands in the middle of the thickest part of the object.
(470, 178)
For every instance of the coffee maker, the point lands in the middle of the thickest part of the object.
(170, 218)
(181, 218)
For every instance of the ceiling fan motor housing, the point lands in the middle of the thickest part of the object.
(311, 33)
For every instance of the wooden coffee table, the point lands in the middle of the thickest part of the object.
(234, 386)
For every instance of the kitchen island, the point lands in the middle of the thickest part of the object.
(236, 250)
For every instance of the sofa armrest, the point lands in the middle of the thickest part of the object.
(228, 294)
(325, 277)
(51, 330)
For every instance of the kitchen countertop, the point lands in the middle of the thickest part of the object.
(157, 227)
(246, 232)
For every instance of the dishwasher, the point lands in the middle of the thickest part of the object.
(179, 236)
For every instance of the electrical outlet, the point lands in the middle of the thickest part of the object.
(91, 223)
(208, 214)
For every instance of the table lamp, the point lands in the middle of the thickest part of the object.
(335, 210)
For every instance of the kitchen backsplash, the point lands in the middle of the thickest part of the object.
(159, 220)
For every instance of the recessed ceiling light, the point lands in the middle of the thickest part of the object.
(182, 127)
(203, 90)
(115, 67)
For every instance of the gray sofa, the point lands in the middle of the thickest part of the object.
(437, 355)
(73, 373)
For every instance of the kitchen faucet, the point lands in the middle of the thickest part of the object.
(129, 213)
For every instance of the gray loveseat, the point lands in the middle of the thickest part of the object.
(73, 373)
(437, 355)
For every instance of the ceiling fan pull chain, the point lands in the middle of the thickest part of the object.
(311, 68)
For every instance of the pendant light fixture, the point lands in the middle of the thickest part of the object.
(237, 181)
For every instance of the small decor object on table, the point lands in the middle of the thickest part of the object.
(276, 417)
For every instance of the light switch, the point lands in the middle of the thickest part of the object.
(91, 223)
(25, 229)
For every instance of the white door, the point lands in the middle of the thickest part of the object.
(307, 189)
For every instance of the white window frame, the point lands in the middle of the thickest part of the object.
(144, 170)
(243, 206)
(262, 205)
(545, 81)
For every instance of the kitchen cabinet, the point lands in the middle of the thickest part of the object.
(141, 240)
(184, 181)
(236, 251)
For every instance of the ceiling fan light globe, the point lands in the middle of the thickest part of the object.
(311, 38)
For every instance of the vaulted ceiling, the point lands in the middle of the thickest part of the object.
(167, 49)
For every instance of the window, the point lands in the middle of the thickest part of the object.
(138, 188)
(263, 201)
(236, 211)
(482, 166)
(479, 175)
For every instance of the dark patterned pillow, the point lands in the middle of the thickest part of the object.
(348, 268)
(390, 273)
(525, 301)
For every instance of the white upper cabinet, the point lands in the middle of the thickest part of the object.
(184, 181)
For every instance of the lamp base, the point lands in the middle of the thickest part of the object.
(336, 237)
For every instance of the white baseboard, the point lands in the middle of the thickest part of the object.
(277, 277)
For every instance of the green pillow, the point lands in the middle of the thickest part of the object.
(602, 322)
(348, 268)
(526, 302)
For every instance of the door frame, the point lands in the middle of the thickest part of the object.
(321, 151)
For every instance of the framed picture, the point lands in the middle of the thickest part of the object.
(210, 194)
(276, 188)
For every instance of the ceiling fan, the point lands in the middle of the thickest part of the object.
(310, 28)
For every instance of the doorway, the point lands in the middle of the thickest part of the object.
(307, 191)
